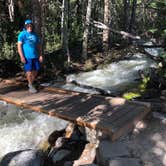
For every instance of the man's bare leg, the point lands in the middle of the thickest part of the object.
(31, 76)
(34, 75)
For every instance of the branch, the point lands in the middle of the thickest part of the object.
(11, 10)
(123, 33)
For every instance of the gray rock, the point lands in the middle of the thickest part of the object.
(88, 155)
(123, 162)
(90, 165)
(153, 51)
(60, 142)
(163, 92)
(68, 163)
(110, 150)
(23, 158)
(159, 116)
(60, 155)
(92, 135)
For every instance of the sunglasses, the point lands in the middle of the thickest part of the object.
(29, 26)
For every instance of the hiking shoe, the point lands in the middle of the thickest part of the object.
(32, 89)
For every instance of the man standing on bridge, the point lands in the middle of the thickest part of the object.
(30, 51)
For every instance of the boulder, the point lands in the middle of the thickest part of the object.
(124, 162)
(109, 150)
(23, 158)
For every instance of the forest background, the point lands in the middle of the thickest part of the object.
(77, 30)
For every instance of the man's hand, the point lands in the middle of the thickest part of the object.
(23, 59)
(40, 58)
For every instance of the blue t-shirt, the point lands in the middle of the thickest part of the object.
(29, 41)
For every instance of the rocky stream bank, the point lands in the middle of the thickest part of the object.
(145, 145)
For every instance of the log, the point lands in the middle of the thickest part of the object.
(123, 33)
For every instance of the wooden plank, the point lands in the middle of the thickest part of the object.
(128, 126)
(112, 115)
(20, 103)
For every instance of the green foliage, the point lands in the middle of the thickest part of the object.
(162, 73)
(157, 4)
(162, 64)
(162, 54)
(139, 91)
(53, 42)
(153, 30)
(53, 27)
(131, 95)
(7, 51)
(160, 26)
(142, 87)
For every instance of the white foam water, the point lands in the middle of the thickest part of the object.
(24, 129)
(115, 77)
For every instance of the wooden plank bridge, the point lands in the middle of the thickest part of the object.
(115, 116)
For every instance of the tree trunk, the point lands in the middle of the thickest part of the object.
(126, 4)
(78, 11)
(86, 30)
(44, 8)
(106, 32)
(64, 28)
(132, 19)
(11, 10)
(36, 16)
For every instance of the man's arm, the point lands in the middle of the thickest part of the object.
(40, 52)
(19, 46)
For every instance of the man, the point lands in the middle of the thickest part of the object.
(30, 51)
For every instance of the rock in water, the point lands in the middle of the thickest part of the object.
(23, 158)
(61, 154)
(55, 135)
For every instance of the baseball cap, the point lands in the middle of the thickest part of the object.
(28, 22)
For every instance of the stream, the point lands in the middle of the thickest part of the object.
(115, 78)
(24, 129)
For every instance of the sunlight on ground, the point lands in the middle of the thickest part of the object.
(160, 147)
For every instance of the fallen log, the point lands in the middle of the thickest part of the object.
(123, 33)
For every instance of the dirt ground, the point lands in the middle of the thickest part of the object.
(148, 142)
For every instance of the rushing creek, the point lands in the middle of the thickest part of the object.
(24, 129)
(116, 77)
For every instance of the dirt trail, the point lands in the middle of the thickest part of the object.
(148, 142)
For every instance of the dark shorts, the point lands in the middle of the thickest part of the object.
(32, 64)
